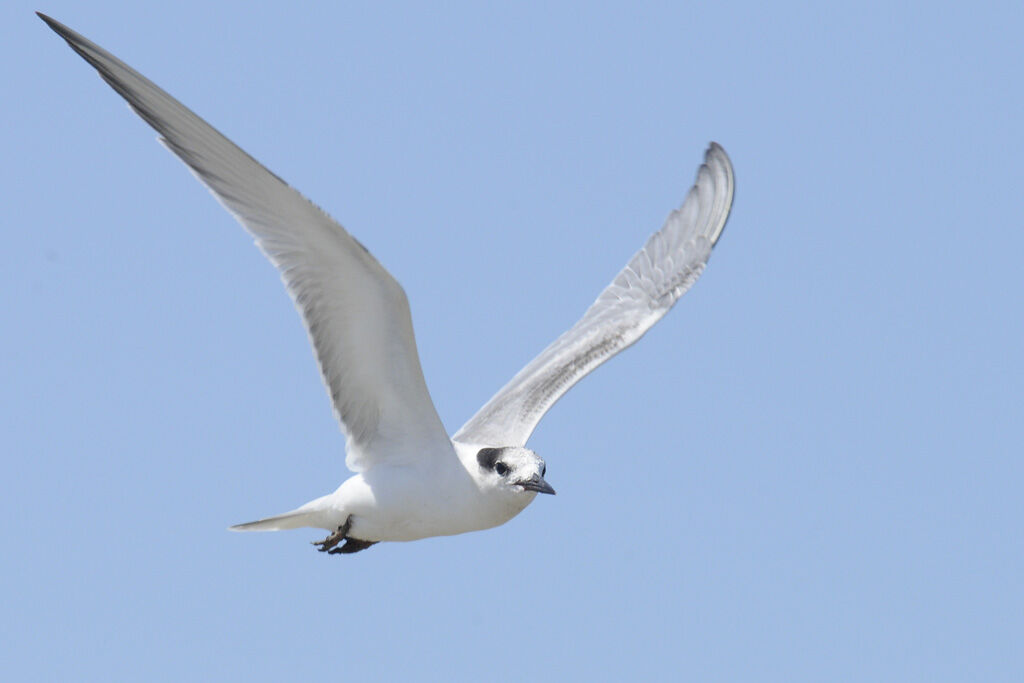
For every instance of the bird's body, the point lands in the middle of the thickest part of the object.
(411, 480)
(435, 496)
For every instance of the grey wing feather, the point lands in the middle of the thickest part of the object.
(356, 314)
(643, 292)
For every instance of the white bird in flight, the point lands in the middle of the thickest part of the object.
(411, 480)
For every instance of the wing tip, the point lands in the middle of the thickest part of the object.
(715, 158)
(60, 28)
(718, 164)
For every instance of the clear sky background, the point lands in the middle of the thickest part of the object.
(809, 471)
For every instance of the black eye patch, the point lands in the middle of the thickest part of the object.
(487, 457)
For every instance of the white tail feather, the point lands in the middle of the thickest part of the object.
(313, 514)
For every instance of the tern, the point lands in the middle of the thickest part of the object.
(411, 480)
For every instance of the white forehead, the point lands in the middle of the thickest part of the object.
(520, 457)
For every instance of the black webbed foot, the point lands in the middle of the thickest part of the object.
(334, 539)
(352, 545)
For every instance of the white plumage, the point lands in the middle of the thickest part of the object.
(411, 480)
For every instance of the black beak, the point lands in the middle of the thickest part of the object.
(537, 483)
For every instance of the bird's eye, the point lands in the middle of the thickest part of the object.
(543, 469)
(501, 468)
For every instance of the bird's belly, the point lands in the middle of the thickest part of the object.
(382, 527)
(398, 508)
(412, 522)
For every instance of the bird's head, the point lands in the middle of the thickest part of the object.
(513, 470)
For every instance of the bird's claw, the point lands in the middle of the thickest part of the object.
(327, 545)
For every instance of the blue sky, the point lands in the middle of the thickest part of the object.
(809, 471)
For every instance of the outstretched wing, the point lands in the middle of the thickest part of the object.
(356, 314)
(645, 290)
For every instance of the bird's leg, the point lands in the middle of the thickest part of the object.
(335, 538)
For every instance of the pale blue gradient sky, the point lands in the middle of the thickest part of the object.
(809, 471)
